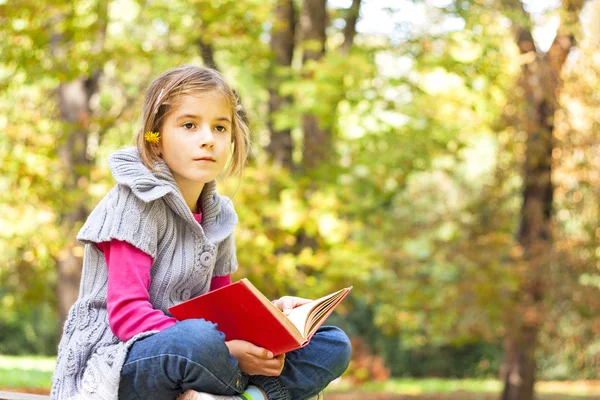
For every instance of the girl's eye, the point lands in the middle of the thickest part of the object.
(221, 128)
(189, 125)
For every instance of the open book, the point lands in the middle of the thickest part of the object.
(242, 312)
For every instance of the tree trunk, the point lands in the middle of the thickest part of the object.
(317, 140)
(350, 27)
(75, 112)
(282, 46)
(541, 82)
(74, 99)
(207, 52)
(519, 365)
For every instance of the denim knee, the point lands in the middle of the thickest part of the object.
(309, 370)
(341, 349)
(199, 339)
(192, 354)
(201, 342)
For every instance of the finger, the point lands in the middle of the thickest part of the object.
(188, 395)
(288, 304)
(274, 366)
(273, 370)
(277, 303)
(259, 352)
(275, 362)
(281, 359)
(299, 301)
(270, 371)
(269, 365)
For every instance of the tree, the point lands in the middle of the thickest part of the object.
(55, 37)
(573, 321)
(75, 110)
(350, 27)
(540, 82)
(280, 147)
(317, 139)
(74, 104)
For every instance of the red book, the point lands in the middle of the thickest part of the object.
(242, 312)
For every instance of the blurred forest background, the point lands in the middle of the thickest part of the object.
(441, 156)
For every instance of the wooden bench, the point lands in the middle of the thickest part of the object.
(29, 396)
(21, 396)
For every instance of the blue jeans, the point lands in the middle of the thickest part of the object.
(192, 355)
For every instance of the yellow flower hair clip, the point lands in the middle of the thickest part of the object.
(152, 137)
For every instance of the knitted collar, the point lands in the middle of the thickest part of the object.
(128, 169)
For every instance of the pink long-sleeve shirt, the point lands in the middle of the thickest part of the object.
(128, 302)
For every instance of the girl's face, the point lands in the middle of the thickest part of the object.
(196, 139)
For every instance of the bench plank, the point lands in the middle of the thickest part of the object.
(21, 396)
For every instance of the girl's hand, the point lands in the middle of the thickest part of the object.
(287, 303)
(254, 360)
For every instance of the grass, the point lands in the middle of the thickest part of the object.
(434, 385)
(26, 372)
(34, 374)
(415, 387)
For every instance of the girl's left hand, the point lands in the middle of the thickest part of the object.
(287, 303)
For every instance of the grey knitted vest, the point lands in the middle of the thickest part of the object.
(147, 210)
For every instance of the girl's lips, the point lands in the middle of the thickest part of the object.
(205, 159)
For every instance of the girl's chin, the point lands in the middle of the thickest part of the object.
(195, 180)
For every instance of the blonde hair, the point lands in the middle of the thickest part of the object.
(162, 95)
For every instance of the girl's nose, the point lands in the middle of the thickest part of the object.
(207, 138)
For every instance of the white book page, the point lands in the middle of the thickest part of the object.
(299, 315)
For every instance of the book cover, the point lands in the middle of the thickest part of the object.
(242, 312)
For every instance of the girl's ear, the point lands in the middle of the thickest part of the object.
(160, 149)
(159, 144)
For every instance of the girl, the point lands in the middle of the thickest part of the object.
(161, 236)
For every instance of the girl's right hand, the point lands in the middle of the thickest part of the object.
(254, 360)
